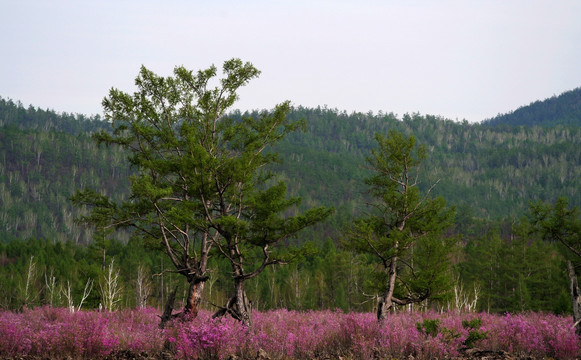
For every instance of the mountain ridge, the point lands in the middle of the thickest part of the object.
(563, 109)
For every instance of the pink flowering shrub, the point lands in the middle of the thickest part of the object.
(282, 334)
(53, 332)
(137, 330)
(207, 338)
(15, 335)
(534, 334)
(296, 334)
(58, 333)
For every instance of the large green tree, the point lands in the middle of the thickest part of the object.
(202, 179)
(404, 229)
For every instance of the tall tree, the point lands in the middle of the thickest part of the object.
(404, 229)
(202, 180)
(249, 207)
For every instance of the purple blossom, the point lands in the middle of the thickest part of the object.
(282, 334)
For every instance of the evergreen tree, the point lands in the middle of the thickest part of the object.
(404, 229)
(202, 180)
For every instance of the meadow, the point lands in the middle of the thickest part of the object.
(57, 333)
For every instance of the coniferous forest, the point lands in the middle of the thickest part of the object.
(498, 174)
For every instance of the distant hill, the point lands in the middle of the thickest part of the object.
(564, 109)
(489, 172)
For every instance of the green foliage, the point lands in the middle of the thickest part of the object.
(472, 324)
(429, 327)
(516, 272)
(39, 171)
(16, 115)
(474, 332)
(493, 171)
(59, 267)
(558, 223)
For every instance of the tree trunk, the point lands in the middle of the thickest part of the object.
(194, 298)
(192, 307)
(243, 306)
(167, 313)
(238, 306)
(386, 302)
(575, 299)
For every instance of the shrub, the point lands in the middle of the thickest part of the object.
(282, 334)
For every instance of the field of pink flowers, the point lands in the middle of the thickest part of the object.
(56, 333)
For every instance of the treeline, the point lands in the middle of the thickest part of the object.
(505, 269)
(15, 114)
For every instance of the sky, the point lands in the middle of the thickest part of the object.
(462, 59)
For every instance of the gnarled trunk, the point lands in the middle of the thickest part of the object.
(386, 301)
(193, 301)
(194, 298)
(238, 306)
(243, 306)
(167, 313)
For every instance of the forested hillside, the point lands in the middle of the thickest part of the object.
(40, 171)
(490, 173)
(45, 158)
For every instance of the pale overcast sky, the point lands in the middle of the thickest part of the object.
(459, 59)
